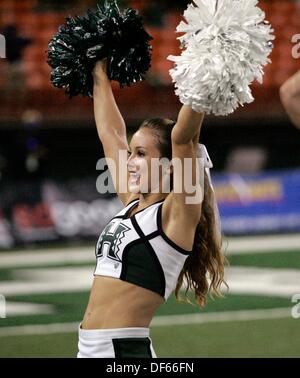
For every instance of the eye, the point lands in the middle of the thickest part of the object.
(128, 153)
(140, 153)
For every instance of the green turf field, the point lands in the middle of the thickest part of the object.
(270, 332)
(261, 338)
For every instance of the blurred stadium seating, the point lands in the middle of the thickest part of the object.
(42, 25)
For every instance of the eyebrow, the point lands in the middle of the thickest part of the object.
(139, 147)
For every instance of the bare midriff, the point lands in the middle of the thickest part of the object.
(114, 303)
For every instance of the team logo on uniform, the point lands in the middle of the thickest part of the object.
(110, 240)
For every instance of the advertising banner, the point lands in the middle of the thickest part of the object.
(53, 211)
(264, 203)
(74, 211)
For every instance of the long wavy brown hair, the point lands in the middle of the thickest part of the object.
(203, 271)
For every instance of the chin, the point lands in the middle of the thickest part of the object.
(135, 189)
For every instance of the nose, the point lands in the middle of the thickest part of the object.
(130, 163)
(129, 160)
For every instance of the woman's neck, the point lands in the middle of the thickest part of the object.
(149, 198)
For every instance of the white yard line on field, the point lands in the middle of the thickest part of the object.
(158, 321)
(47, 256)
(226, 316)
(276, 282)
(257, 244)
(47, 280)
(67, 255)
(24, 308)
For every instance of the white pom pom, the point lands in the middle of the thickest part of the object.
(227, 43)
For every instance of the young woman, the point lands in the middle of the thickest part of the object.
(157, 241)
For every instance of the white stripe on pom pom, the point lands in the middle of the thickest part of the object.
(227, 43)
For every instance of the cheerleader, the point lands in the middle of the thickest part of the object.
(158, 241)
(162, 240)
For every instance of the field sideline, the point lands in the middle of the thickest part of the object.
(45, 304)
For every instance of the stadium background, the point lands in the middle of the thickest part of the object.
(51, 212)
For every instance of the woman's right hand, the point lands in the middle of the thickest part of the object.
(100, 71)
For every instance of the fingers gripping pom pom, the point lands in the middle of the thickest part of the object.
(227, 43)
(103, 33)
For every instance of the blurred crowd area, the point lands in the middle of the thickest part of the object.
(25, 71)
(38, 21)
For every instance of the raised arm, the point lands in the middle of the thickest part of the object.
(182, 208)
(110, 125)
(188, 126)
(290, 98)
(183, 204)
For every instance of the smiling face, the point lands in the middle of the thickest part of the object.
(143, 149)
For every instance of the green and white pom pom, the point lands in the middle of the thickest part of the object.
(106, 32)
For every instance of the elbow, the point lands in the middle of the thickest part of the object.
(286, 98)
(178, 136)
(109, 135)
(105, 134)
(284, 95)
(288, 94)
(102, 134)
(183, 142)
